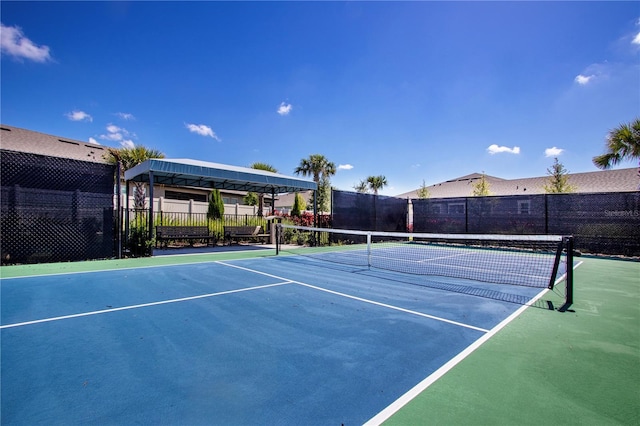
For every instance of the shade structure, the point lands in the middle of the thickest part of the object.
(203, 174)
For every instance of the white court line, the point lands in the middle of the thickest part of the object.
(143, 305)
(384, 305)
(125, 268)
(360, 299)
(450, 256)
(433, 377)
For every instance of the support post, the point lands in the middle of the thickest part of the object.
(315, 217)
(369, 250)
(569, 300)
(127, 218)
(119, 210)
(151, 211)
(273, 202)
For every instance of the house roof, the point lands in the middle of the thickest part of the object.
(285, 201)
(196, 173)
(620, 180)
(179, 172)
(230, 177)
(23, 140)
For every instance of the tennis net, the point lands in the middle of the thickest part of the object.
(517, 260)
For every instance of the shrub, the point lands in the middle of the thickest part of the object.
(139, 243)
(216, 205)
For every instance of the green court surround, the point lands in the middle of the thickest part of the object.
(580, 367)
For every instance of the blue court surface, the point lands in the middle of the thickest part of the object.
(264, 341)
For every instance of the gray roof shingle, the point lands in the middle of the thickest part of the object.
(23, 140)
(620, 180)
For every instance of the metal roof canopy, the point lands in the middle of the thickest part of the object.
(195, 173)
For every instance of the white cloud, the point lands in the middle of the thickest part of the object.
(285, 108)
(596, 71)
(636, 39)
(116, 134)
(553, 152)
(583, 80)
(14, 43)
(93, 141)
(202, 130)
(128, 143)
(345, 167)
(495, 149)
(78, 116)
(113, 129)
(125, 116)
(112, 137)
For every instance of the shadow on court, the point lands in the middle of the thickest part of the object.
(175, 251)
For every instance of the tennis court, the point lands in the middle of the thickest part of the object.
(232, 338)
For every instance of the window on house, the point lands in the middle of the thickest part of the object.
(231, 200)
(524, 207)
(184, 196)
(456, 208)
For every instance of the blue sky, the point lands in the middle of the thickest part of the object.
(415, 91)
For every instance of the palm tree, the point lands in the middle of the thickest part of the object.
(317, 166)
(376, 183)
(361, 187)
(129, 158)
(321, 169)
(268, 168)
(623, 143)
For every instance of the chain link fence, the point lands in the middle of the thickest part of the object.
(602, 223)
(55, 209)
(367, 212)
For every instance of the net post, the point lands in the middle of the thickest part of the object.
(369, 249)
(569, 290)
(556, 264)
(278, 228)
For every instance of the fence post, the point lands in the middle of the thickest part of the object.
(75, 206)
(466, 215)
(546, 213)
